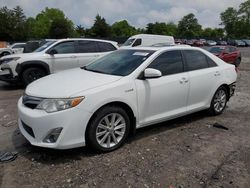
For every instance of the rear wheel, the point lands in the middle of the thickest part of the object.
(219, 101)
(31, 74)
(108, 129)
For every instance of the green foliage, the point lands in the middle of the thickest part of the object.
(61, 28)
(12, 25)
(213, 33)
(122, 29)
(229, 19)
(161, 28)
(80, 31)
(100, 28)
(237, 22)
(52, 23)
(44, 20)
(189, 27)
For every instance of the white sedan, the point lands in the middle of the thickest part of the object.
(101, 103)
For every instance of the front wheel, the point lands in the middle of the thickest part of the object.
(31, 74)
(219, 101)
(108, 129)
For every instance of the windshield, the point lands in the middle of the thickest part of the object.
(120, 63)
(128, 42)
(216, 50)
(44, 46)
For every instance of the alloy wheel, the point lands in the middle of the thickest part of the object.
(220, 100)
(110, 130)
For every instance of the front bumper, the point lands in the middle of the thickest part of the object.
(6, 75)
(35, 125)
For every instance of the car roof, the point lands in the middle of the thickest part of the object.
(101, 40)
(177, 47)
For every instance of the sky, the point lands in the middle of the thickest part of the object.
(137, 12)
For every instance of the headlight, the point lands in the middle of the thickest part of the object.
(7, 60)
(54, 105)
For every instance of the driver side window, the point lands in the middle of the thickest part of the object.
(168, 63)
(64, 47)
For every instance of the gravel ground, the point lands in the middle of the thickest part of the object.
(186, 152)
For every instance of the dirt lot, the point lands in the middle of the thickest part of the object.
(187, 152)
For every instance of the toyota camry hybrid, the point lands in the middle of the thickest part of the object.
(101, 103)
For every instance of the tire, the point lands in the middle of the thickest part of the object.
(102, 135)
(31, 74)
(237, 62)
(219, 101)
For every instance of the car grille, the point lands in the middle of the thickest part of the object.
(28, 129)
(31, 102)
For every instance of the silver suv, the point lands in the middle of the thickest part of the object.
(52, 57)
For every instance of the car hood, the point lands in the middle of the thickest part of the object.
(25, 55)
(67, 83)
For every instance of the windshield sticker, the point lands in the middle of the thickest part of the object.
(141, 53)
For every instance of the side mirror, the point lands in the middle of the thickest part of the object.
(52, 52)
(152, 73)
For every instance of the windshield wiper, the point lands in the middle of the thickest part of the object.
(85, 68)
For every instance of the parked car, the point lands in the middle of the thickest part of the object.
(52, 57)
(221, 42)
(240, 43)
(32, 45)
(101, 103)
(210, 43)
(178, 41)
(247, 42)
(198, 43)
(190, 42)
(15, 48)
(147, 40)
(229, 54)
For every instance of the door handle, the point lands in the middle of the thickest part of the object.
(217, 73)
(73, 56)
(183, 80)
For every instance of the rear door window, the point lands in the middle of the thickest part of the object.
(211, 63)
(195, 60)
(105, 47)
(86, 46)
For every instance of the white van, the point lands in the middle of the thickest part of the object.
(148, 40)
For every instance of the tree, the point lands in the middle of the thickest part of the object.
(171, 29)
(19, 32)
(12, 24)
(44, 20)
(244, 19)
(100, 28)
(80, 31)
(161, 28)
(229, 19)
(61, 28)
(189, 27)
(156, 28)
(122, 29)
(215, 33)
